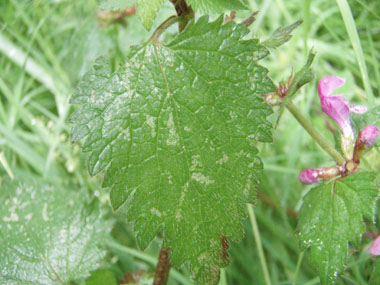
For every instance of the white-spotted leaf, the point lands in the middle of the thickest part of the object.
(48, 235)
(175, 129)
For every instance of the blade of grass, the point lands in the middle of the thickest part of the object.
(299, 263)
(22, 149)
(260, 17)
(4, 163)
(19, 57)
(369, 9)
(256, 234)
(373, 55)
(349, 22)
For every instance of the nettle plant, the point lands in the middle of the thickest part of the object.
(175, 130)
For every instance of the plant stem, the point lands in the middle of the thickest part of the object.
(314, 133)
(259, 245)
(166, 24)
(184, 11)
(299, 262)
(118, 248)
(163, 267)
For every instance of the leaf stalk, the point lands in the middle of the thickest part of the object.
(161, 28)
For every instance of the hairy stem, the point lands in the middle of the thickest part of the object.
(305, 123)
(259, 245)
(161, 28)
(163, 267)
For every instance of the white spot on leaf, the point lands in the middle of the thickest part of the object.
(173, 138)
(199, 177)
(45, 213)
(151, 123)
(12, 218)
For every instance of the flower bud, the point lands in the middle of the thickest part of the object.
(375, 247)
(369, 135)
(309, 176)
(365, 139)
(314, 175)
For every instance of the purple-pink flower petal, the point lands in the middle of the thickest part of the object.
(369, 135)
(328, 84)
(309, 176)
(337, 106)
(337, 109)
(375, 247)
(358, 109)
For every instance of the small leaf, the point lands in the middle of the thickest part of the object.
(48, 235)
(175, 129)
(332, 216)
(147, 11)
(217, 6)
(281, 35)
(302, 77)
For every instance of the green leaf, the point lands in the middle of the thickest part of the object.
(115, 5)
(302, 77)
(281, 35)
(332, 216)
(48, 235)
(147, 10)
(217, 6)
(175, 128)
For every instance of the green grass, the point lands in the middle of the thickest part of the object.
(46, 46)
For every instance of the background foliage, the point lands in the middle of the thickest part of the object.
(61, 39)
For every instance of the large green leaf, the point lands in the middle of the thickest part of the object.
(48, 235)
(332, 216)
(175, 128)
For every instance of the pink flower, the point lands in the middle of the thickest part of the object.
(336, 106)
(369, 135)
(338, 109)
(375, 247)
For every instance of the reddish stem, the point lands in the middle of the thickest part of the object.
(163, 267)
